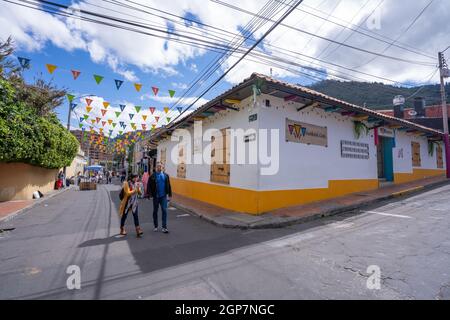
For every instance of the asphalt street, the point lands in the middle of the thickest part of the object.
(408, 240)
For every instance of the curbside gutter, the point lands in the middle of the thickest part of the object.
(34, 204)
(274, 222)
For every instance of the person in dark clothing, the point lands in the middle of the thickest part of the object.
(160, 190)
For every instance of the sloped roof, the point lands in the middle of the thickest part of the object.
(287, 90)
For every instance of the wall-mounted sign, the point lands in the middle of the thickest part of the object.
(300, 132)
(253, 118)
(354, 150)
(399, 100)
(386, 132)
(250, 138)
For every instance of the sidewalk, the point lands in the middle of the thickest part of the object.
(10, 209)
(304, 213)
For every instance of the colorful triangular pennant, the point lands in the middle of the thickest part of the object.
(155, 90)
(171, 93)
(138, 86)
(51, 68)
(98, 78)
(24, 62)
(75, 74)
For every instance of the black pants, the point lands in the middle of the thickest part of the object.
(135, 218)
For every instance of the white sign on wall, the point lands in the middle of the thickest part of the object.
(386, 132)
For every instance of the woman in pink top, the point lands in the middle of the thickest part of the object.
(145, 178)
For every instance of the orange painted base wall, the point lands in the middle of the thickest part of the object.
(417, 174)
(259, 202)
(18, 181)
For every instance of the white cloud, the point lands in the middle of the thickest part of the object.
(168, 100)
(122, 49)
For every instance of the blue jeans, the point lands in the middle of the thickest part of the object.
(160, 201)
(135, 218)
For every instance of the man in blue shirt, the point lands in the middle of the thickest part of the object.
(161, 192)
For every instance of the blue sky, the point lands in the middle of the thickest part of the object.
(138, 58)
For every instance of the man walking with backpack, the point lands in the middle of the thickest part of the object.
(160, 190)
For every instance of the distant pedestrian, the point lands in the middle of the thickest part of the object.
(160, 190)
(129, 203)
(107, 175)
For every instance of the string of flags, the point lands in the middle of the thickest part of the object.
(25, 63)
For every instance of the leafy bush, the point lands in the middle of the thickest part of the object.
(26, 136)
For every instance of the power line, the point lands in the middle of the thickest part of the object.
(422, 63)
(289, 11)
(413, 22)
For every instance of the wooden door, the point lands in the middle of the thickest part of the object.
(415, 152)
(439, 156)
(220, 157)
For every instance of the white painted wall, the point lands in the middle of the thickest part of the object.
(307, 166)
(404, 164)
(242, 176)
(301, 166)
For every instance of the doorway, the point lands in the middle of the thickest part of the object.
(385, 159)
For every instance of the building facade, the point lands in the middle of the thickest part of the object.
(96, 154)
(308, 147)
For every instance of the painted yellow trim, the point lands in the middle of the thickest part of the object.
(417, 174)
(258, 202)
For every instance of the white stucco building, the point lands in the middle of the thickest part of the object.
(316, 148)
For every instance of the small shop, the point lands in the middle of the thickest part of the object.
(300, 146)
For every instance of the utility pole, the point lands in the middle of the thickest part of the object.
(444, 73)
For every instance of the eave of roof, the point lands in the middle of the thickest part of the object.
(300, 92)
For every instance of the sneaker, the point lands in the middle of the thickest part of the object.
(156, 230)
(165, 230)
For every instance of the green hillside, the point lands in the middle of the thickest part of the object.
(377, 95)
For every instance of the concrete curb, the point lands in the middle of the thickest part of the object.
(279, 222)
(34, 204)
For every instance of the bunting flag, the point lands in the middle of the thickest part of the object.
(93, 122)
(73, 106)
(103, 123)
(98, 78)
(86, 117)
(104, 112)
(166, 110)
(153, 126)
(144, 126)
(138, 87)
(51, 68)
(152, 110)
(125, 126)
(114, 125)
(122, 107)
(88, 109)
(106, 104)
(101, 131)
(81, 119)
(119, 83)
(155, 90)
(131, 116)
(180, 109)
(75, 74)
(24, 62)
(168, 120)
(118, 114)
(157, 119)
(138, 109)
(81, 126)
(98, 119)
(171, 93)
(122, 123)
(110, 122)
(133, 125)
(89, 101)
(144, 117)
